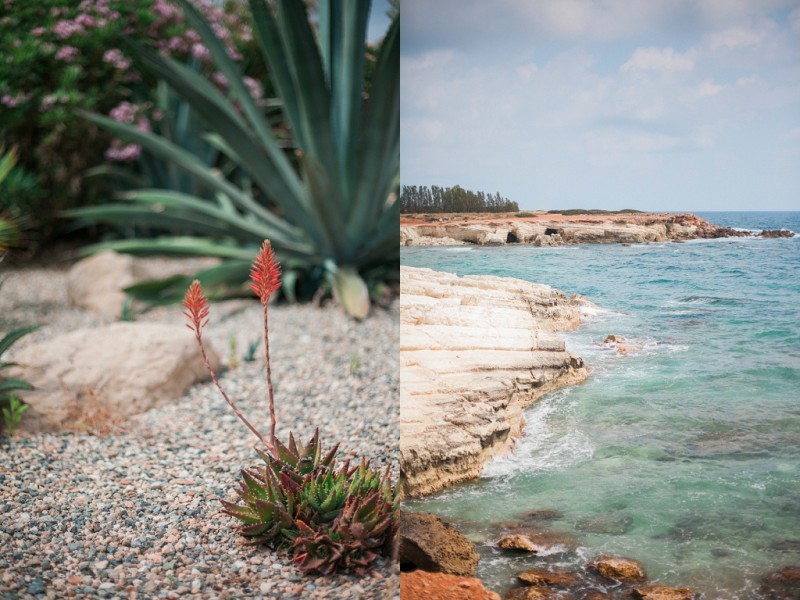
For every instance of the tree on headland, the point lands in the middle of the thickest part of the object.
(435, 199)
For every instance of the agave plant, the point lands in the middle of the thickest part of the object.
(328, 202)
(331, 517)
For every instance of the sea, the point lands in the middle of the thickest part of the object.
(683, 453)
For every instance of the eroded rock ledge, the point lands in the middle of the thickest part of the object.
(543, 229)
(474, 352)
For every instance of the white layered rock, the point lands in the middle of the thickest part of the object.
(474, 352)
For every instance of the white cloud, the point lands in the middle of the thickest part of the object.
(794, 21)
(736, 37)
(659, 59)
(794, 134)
(708, 88)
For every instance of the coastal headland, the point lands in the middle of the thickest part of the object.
(554, 229)
(475, 351)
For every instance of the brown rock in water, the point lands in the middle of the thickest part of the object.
(540, 577)
(612, 338)
(115, 370)
(532, 593)
(421, 585)
(783, 584)
(620, 569)
(777, 233)
(429, 543)
(663, 592)
(534, 541)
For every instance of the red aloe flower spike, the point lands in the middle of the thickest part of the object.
(265, 278)
(196, 305)
(265, 274)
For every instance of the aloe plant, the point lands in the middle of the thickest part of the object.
(325, 195)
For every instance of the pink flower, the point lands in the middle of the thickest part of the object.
(143, 124)
(116, 58)
(67, 53)
(37, 32)
(254, 87)
(123, 153)
(201, 52)
(220, 79)
(125, 112)
(265, 273)
(65, 29)
(85, 20)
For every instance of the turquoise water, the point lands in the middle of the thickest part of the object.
(687, 450)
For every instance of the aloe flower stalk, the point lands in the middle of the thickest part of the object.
(196, 305)
(265, 278)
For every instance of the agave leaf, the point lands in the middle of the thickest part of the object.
(186, 160)
(255, 488)
(11, 337)
(9, 385)
(351, 292)
(378, 156)
(184, 245)
(255, 529)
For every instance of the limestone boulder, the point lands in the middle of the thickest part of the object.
(431, 544)
(620, 569)
(118, 370)
(421, 585)
(475, 351)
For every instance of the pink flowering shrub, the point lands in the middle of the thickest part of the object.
(61, 56)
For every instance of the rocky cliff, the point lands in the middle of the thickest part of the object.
(545, 229)
(474, 352)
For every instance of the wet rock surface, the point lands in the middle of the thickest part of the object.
(431, 544)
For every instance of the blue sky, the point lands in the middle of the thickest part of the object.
(662, 105)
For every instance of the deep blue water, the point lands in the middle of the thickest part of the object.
(688, 446)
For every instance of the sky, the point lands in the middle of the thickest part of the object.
(659, 105)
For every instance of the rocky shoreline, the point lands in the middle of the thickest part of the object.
(547, 229)
(474, 353)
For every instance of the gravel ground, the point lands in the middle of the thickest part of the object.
(130, 510)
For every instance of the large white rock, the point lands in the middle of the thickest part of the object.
(474, 352)
(118, 370)
(97, 283)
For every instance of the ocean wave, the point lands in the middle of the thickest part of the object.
(458, 248)
(543, 446)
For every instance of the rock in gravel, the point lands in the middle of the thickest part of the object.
(114, 370)
(429, 543)
(97, 283)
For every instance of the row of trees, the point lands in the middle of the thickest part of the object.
(435, 199)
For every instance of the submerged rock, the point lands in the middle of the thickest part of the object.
(429, 543)
(421, 585)
(777, 233)
(783, 584)
(620, 569)
(609, 524)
